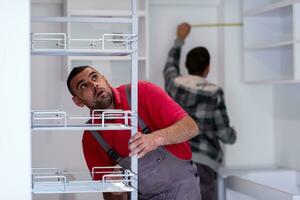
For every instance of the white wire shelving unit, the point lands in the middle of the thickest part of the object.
(54, 181)
(49, 180)
(99, 120)
(58, 44)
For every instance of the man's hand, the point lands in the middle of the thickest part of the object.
(183, 30)
(181, 131)
(140, 144)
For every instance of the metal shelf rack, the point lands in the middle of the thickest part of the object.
(60, 120)
(52, 180)
(57, 44)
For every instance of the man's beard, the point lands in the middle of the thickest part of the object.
(104, 103)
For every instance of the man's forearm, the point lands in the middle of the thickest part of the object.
(181, 131)
(174, 55)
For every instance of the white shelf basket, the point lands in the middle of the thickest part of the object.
(112, 44)
(59, 120)
(51, 180)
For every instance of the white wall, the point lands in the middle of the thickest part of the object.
(164, 18)
(15, 156)
(287, 125)
(250, 106)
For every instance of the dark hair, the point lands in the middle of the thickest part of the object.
(73, 73)
(197, 61)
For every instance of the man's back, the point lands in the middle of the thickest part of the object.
(204, 102)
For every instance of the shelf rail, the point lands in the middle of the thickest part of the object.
(61, 19)
(51, 180)
(100, 120)
(117, 42)
(56, 40)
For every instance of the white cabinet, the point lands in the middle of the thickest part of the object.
(261, 183)
(271, 41)
(104, 8)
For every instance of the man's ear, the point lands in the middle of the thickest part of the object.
(77, 101)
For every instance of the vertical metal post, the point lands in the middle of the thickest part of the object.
(221, 188)
(296, 46)
(134, 92)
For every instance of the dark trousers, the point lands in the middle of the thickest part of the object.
(208, 182)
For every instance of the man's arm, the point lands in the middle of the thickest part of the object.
(181, 131)
(172, 70)
(222, 126)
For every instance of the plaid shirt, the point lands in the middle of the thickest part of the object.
(204, 102)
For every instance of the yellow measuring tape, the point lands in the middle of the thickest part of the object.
(215, 25)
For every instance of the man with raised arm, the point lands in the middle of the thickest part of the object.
(204, 102)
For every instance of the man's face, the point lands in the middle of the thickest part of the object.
(92, 90)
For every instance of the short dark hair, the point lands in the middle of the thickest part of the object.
(197, 61)
(73, 73)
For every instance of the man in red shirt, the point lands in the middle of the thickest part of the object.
(165, 150)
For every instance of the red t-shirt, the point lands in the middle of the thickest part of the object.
(157, 110)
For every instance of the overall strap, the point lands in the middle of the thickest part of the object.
(144, 127)
(110, 152)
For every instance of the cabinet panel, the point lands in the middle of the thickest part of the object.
(271, 35)
(267, 65)
(264, 5)
(297, 61)
(269, 28)
(104, 5)
(296, 13)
